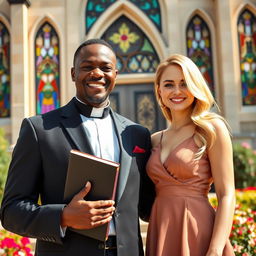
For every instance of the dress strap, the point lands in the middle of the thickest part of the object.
(161, 138)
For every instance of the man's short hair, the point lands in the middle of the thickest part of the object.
(89, 42)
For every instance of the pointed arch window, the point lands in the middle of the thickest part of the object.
(135, 52)
(93, 11)
(4, 71)
(152, 10)
(47, 67)
(246, 26)
(95, 8)
(199, 48)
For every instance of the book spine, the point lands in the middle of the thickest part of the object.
(113, 197)
(115, 184)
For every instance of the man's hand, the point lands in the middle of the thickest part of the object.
(81, 214)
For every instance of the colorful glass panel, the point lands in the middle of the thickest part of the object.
(47, 66)
(247, 44)
(151, 9)
(93, 11)
(4, 71)
(95, 8)
(199, 48)
(135, 53)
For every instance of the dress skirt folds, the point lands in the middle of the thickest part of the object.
(182, 219)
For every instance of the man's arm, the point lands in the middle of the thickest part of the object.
(20, 211)
(147, 191)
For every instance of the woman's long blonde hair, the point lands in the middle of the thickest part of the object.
(202, 104)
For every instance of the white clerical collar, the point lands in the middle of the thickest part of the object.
(95, 112)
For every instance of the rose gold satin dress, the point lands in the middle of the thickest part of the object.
(182, 219)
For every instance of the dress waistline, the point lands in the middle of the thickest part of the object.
(181, 191)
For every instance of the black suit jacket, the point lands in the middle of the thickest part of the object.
(38, 169)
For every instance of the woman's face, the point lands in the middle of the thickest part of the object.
(173, 89)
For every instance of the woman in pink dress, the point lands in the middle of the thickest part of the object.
(194, 151)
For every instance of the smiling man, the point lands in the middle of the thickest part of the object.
(40, 160)
(94, 73)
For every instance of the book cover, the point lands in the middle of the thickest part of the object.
(102, 174)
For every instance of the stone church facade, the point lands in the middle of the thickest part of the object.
(38, 39)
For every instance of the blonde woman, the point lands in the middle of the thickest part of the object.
(194, 151)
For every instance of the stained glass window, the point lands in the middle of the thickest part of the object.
(95, 8)
(151, 9)
(93, 11)
(47, 66)
(247, 45)
(199, 48)
(4, 71)
(135, 53)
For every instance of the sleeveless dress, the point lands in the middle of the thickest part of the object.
(182, 218)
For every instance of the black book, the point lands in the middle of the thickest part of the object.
(102, 174)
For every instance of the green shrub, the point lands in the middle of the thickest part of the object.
(244, 165)
(4, 161)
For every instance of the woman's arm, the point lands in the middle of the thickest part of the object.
(221, 160)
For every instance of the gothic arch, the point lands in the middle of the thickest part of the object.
(247, 89)
(210, 26)
(242, 7)
(5, 68)
(5, 21)
(135, 52)
(89, 22)
(84, 5)
(129, 10)
(46, 75)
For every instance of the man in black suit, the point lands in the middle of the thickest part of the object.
(40, 159)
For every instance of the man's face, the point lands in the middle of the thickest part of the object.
(94, 74)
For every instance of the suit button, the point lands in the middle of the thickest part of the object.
(116, 214)
(101, 246)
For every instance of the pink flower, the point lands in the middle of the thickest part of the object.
(9, 243)
(27, 250)
(238, 248)
(246, 145)
(24, 241)
(249, 188)
(16, 253)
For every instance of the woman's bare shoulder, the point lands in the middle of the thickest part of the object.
(220, 126)
(155, 138)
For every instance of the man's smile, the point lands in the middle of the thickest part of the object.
(96, 85)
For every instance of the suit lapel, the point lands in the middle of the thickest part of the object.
(125, 158)
(72, 123)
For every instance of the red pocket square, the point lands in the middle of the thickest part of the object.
(138, 150)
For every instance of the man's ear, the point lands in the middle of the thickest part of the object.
(73, 74)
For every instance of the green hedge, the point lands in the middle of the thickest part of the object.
(244, 165)
(4, 161)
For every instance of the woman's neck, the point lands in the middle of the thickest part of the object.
(179, 120)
